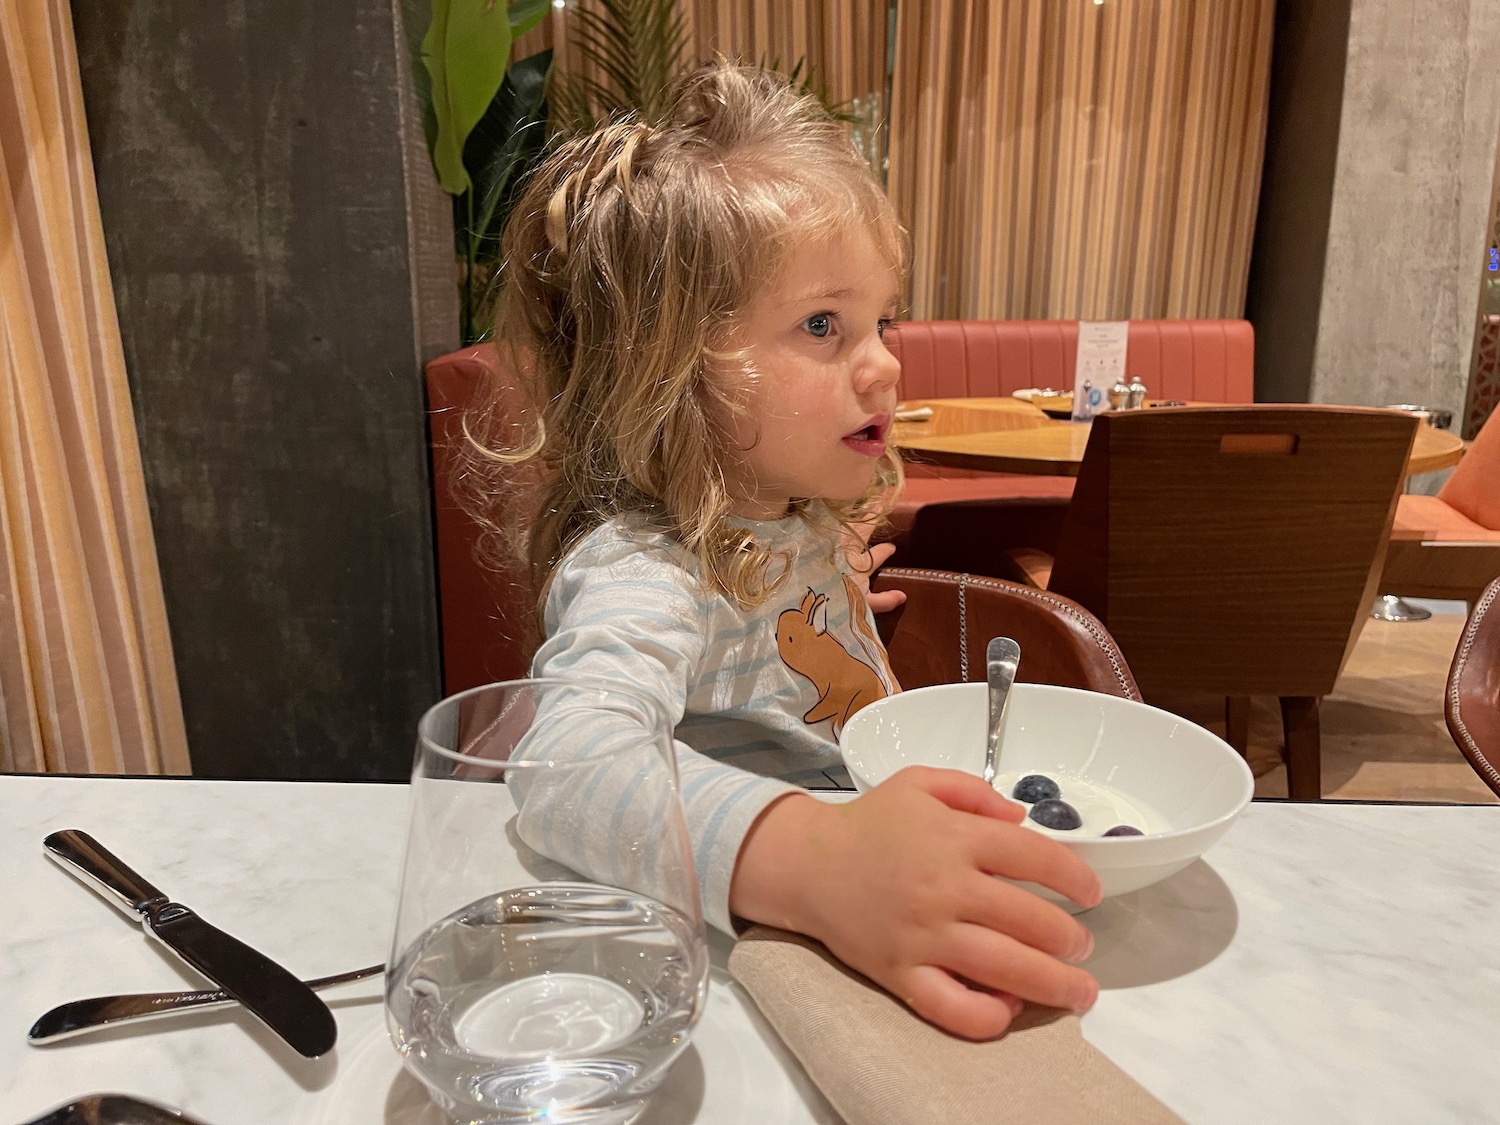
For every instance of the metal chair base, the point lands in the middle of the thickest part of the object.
(1388, 607)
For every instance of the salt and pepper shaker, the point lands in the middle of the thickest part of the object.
(1136, 395)
(1119, 397)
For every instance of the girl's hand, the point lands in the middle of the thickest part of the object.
(899, 884)
(866, 560)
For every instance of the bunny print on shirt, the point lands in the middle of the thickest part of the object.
(845, 683)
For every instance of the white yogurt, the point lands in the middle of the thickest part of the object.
(1100, 806)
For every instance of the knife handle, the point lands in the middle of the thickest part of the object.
(102, 870)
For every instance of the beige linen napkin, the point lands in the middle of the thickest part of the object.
(880, 1064)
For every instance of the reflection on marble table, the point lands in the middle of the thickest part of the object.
(1322, 963)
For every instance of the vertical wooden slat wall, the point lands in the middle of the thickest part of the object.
(1067, 159)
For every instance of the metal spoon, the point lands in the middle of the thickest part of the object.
(112, 1109)
(79, 1016)
(1000, 658)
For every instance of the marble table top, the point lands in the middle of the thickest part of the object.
(1323, 963)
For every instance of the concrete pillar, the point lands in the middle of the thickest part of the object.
(281, 270)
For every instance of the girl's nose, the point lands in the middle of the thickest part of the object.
(879, 368)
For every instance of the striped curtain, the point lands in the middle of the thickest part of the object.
(1062, 159)
(844, 42)
(1053, 159)
(87, 682)
(842, 45)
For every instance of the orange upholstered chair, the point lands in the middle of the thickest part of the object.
(1448, 545)
(485, 616)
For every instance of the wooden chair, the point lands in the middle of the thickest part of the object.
(1195, 360)
(1448, 545)
(486, 618)
(1233, 551)
(1473, 705)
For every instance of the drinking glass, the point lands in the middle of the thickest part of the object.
(521, 989)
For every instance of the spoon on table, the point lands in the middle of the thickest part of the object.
(112, 1109)
(1000, 659)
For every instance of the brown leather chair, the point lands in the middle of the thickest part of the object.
(486, 618)
(485, 615)
(939, 635)
(1473, 708)
(1234, 551)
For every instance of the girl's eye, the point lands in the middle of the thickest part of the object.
(881, 325)
(819, 325)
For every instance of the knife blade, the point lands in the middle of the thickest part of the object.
(78, 1017)
(274, 996)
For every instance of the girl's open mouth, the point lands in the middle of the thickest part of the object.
(869, 440)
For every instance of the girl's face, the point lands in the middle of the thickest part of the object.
(818, 409)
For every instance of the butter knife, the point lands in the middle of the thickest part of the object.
(78, 1017)
(274, 996)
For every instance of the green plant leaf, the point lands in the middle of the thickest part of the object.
(635, 48)
(526, 14)
(505, 146)
(465, 51)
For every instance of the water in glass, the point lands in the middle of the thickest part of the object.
(526, 984)
(546, 999)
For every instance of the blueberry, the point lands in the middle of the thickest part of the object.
(1034, 787)
(1052, 813)
(1124, 830)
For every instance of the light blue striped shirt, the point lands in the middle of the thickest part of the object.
(755, 697)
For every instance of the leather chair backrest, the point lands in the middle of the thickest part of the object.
(1473, 706)
(486, 616)
(1234, 550)
(947, 614)
(1192, 360)
(1474, 487)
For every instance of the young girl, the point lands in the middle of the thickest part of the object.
(700, 305)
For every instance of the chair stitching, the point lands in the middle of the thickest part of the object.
(963, 629)
(1465, 647)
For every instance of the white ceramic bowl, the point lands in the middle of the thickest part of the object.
(1193, 778)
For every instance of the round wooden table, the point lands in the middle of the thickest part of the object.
(1008, 435)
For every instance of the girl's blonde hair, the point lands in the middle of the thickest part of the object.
(628, 258)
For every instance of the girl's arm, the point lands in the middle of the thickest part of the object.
(636, 621)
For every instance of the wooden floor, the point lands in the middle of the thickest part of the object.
(1383, 733)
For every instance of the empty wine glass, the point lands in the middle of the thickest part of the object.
(520, 989)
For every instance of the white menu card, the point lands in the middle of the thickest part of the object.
(1101, 364)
